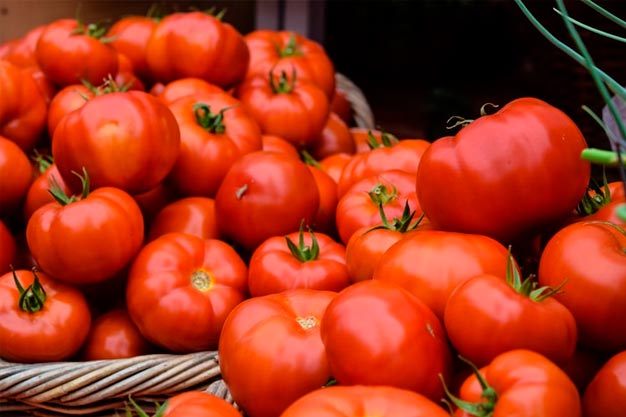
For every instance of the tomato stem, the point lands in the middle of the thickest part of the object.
(603, 157)
(302, 252)
(211, 122)
(291, 48)
(380, 194)
(32, 298)
(284, 85)
(481, 409)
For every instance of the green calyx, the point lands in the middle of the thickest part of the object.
(302, 252)
(484, 408)
(211, 122)
(59, 195)
(402, 224)
(595, 198)
(387, 140)
(528, 286)
(291, 49)
(32, 298)
(381, 195)
(42, 161)
(284, 84)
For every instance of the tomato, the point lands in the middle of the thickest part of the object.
(265, 194)
(8, 243)
(278, 144)
(192, 215)
(154, 200)
(197, 404)
(87, 238)
(215, 131)
(286, 51)
(363, 401)
(38, 193)
(129, 140)
(334, 164)
(335, 138)
(15, 176)
(508, 168)
(377, 333)
(113, 335)
(284, 105)
(297, 260)
(41, 320)
(126, 79)
(66, 100)
(22, 53)
(181, 288)
(182, 87)
(324, 220)
(69, 51)
(366, 139)
(360, 206)
(519, 382)
(269, 340)
(606, 393)
(590, 257)
(431, 263)
(23, 107)
(340, 104)
(197, 44)
(488, 315)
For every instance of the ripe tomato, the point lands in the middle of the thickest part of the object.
(197, 404)
(591, 258)
(16, 175)
(8, 243)
(66, 100)
(272, 339)
(297, 260)
(129, 140)
(333, 164)
(367, 139)
(41, 320)
(335, 138)
(278, 144)
(506, 170)
(182, 87)
(342, 106)
(197, 44)
(363, 400)
(38, 193)
(519, 382)
(324, 220)
(606, 393)
(377, 333)
(181, 288)
(192, 215)
(22, 52)
(265, 194)
(69, 51)
(113, 335)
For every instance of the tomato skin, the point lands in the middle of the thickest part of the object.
(8, 243)
(363, 401)
(38, 193)
(182, 87)
(334, 164)
(196, 44)
(22, 53)
(282, 342)
(181, 288)
(198, 404)
(66, 100)
(67, 57)
(527, 384)
(23, 107)
(485, 316)
(606, 393)
(519, 154)
(402, 339)
(335, 138)
(89, 240)
(265, 194)
(193, 215)
(15, 176)
(54, 333)
(113, 335)
(342, 106)
(596, 295)
(128, 140)
(129, 36)
(278, 144)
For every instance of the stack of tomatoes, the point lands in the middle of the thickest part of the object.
(173, 185)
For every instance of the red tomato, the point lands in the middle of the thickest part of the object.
(215, 131)
(377, 333)
(286, 51)
(324, 220)
(22, 53)
(66, 100)
(8, 243)
(197, 404)
(342, 106)
(333, 164)
(38, 193)
(86, 239)
(590, 257)
(192, 215)
(181, 288)
(366, 139)
(196, 44)
(69, 51)
(182, 87)
(265, 194)
(431, 263)
(488, 315)
(15, 176)
(23, 107)
(506, 170)
(606, 393)
(281, 335)
(362, 401)
(278, 144)
(126, 79)
(154, 200)
(129, 140)
(297, 260)
(113, 335)
(129, 35)
(335, 138)
(520, 383)
(41, 320)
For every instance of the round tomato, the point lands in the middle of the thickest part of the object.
(129, 35)
(38, 193)
(197, 404)
(606, 393)
(66, 100)
(181, 288)
(335, 138)
(182, 87)
(8, 243)
(278, 144)
(16, 176)
(22, 53)
(193, 215)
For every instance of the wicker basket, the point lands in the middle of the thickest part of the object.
(102, 388)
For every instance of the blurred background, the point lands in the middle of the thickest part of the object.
(418, 62)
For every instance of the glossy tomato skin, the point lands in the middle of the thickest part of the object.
(67, 99)
(526, 384)
(508, 168)
(128, 140)
(197, 44)
(54, 333)
(22, 52)
(606, 393)
(335, 138)
(198, 404)
(590, 258)
(89, 240)
(15, 177)
(278, 144)
(181, 288)
(193, 215)
(182, 87)
(265, 194)
(363, 401)
(129, 36)
(8, 243)
(377, 333)
(38, 193)
(271, 339)
(67, 54)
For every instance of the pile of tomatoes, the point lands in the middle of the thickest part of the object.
(173, 185)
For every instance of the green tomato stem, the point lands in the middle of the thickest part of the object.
(33, 297)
